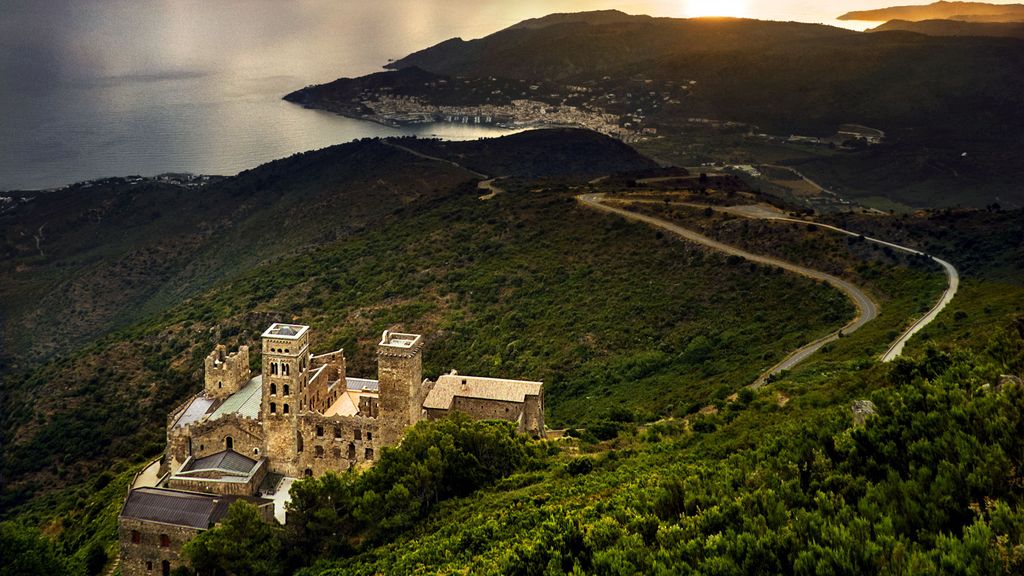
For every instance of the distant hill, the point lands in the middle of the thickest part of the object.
(597, 17)
(955, 28)
(571, 48)
(977, 11)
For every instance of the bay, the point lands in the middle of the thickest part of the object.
(97, 88)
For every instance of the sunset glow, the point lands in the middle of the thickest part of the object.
(702, 8)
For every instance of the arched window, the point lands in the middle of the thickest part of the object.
(136, 537)
(320, 431)
(273, 367)
(149, 565)
(165, 568)
(201, 447)
(273, 408)
(287, 390)
(309, 472)
(229, 443)
(284, 368)
(220, 385)
(273, 389)
(319, 451)
(285, 408)
(256, 451)
(165, 541)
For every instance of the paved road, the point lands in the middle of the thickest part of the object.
(867, 309)
(767, 212)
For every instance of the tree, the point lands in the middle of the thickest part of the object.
(242, 545)
(27, 553)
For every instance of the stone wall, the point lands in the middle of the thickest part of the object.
(336, 443)
(146, 557)
(206, 438)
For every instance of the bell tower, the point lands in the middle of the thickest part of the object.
(285, 376)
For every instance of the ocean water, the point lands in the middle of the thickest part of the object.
(96, 88)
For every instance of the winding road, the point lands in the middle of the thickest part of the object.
(867, 309)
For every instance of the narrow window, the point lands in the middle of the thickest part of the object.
(273, 367)
(359, 434)
(287, 390)
(165, 568)
(284, 369)
(369, 435)
(136, 537)
(273, 408)
(320, 431)
(229, 443)
(298, 442)
(309, 472)
(351, 451)
(273, 389)
(149, 565)
(319, 451)
(285, 408)
(336, 453)
(369, 453)
(219, 385)
(165, 541)
(337, 433)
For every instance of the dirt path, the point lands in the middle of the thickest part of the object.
(867, 309)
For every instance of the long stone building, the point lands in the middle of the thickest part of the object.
(300, 417)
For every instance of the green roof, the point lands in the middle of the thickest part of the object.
(245, 402)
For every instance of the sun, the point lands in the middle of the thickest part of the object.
(701, 8)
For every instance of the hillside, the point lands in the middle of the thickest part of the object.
(645, 345)
(506, 287)
(955, 28)
(969, 11)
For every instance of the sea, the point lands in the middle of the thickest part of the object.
(97, 88)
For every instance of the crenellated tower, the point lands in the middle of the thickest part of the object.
(226, 373)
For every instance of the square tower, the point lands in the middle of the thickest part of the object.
(400, 371)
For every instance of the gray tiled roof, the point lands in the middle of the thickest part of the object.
(360, 384)
(198, 408)
(176, 508)
(226, 460)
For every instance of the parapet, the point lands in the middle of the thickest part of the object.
(398, 344)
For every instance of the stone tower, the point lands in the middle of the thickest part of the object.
(226, 373)
(400, 371)
(285, 375)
